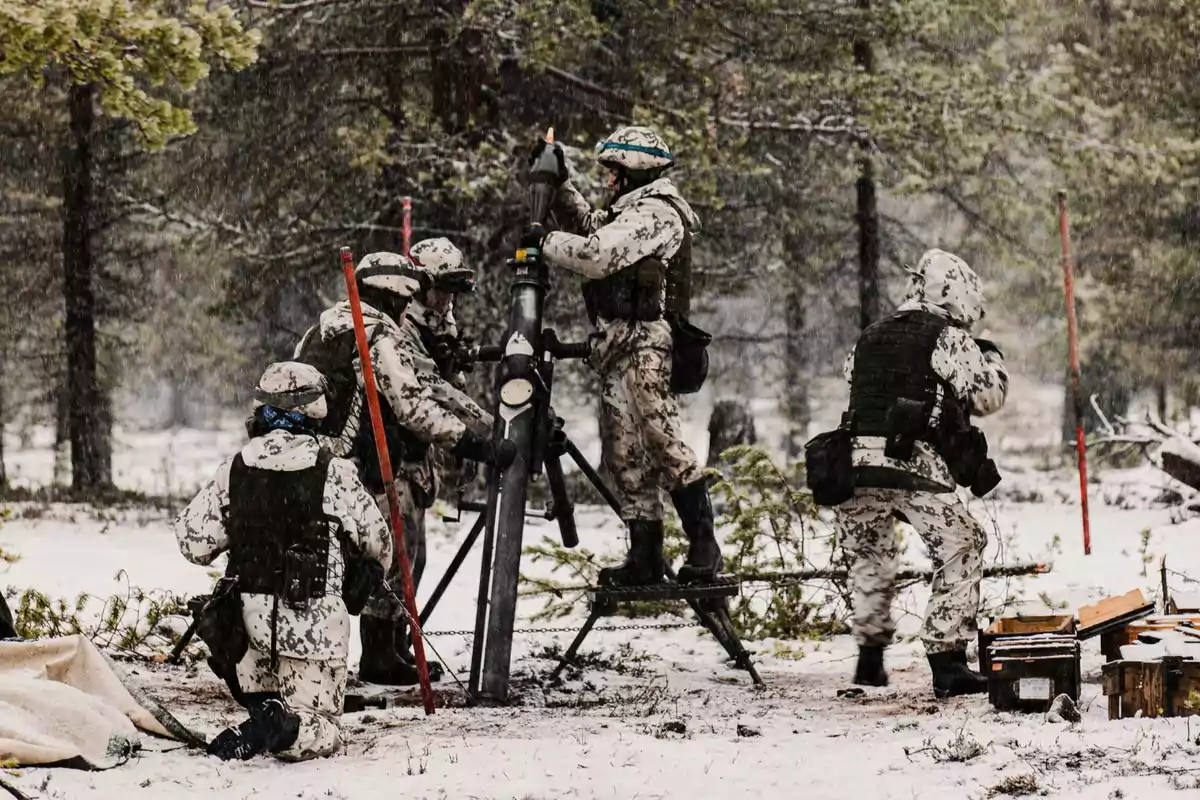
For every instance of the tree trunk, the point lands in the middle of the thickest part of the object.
(83, 395)
(62, 434)
(3, 471)
(867, 214)
(731, 424)
(795, 377)
(179, 410)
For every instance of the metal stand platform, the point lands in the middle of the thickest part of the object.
(708, 600)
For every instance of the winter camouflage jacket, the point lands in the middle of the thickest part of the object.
(320, 632)
(639, 225)
(448, 393)
(401, 387)
(978, 379)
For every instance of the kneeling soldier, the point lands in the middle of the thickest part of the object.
(306, 545)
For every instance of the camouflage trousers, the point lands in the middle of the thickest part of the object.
(641, 438)
(312, 690)
(955, 541)
(413, 522)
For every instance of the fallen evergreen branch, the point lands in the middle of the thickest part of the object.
(833, 574)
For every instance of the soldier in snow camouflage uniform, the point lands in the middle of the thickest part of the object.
(283, 493)
(414, 419)
(428, 335)
(924, 354)
(431, 333)
(624, 252)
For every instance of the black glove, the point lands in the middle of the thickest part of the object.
(463, 362)
(533, 237)
(476, 448)
(540, 147)
(987, 345)
(506, 454)
(441, 350)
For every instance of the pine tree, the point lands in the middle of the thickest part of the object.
(122, 59)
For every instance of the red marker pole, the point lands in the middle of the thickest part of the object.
(389, 482)
(1064, 233)
(406, 205)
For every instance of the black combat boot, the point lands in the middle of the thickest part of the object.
(270, 728)
(696, 516)
(644, 564)
(952, 676)
(404, 650)
(870, 671)
(381, 663)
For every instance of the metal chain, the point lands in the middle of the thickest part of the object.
(662, 626)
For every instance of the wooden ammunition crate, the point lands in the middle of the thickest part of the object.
(1009, 627)
(1111, 642)
(1027, 673)
(1166, 688)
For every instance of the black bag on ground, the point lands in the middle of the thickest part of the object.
(689, 356)
(829, 467)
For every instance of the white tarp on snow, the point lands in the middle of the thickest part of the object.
(62, 702)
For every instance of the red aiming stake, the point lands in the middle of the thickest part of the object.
(1064, 233)
(406, 204)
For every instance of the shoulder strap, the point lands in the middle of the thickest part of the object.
(324, 457)
(675, 206)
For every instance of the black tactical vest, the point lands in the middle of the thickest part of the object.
(891, 362)
(637, 292)
(335, 357)
(278, 531)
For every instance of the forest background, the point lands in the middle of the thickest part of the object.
(176, 178)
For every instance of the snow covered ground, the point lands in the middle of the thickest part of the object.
(660, 715)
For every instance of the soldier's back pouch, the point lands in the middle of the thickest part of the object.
(221, 628)
(829, 467)
(689, 357)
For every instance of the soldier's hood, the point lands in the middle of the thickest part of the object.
(662, 188)
(426, 317)
(281, 451)
(338, 319)
(944, 285)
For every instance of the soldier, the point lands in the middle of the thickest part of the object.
(432, 333)
(305, 543)
(915, 378)
(413, 420)
(429, 336)
(624, 253)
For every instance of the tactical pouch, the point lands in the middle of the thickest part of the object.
(303, 576)
(906, 422)
(986, 479)
(362, 576)
(829, 467)
(689, 357)
(966, 454)
(219, 625)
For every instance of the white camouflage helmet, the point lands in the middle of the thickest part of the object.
(293, 386)
(389, 272)
(635, 147)
(443, 263)
(944, 280)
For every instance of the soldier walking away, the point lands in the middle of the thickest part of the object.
(625, 253)
(413, 420)
(915, 380)
(305, 542)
